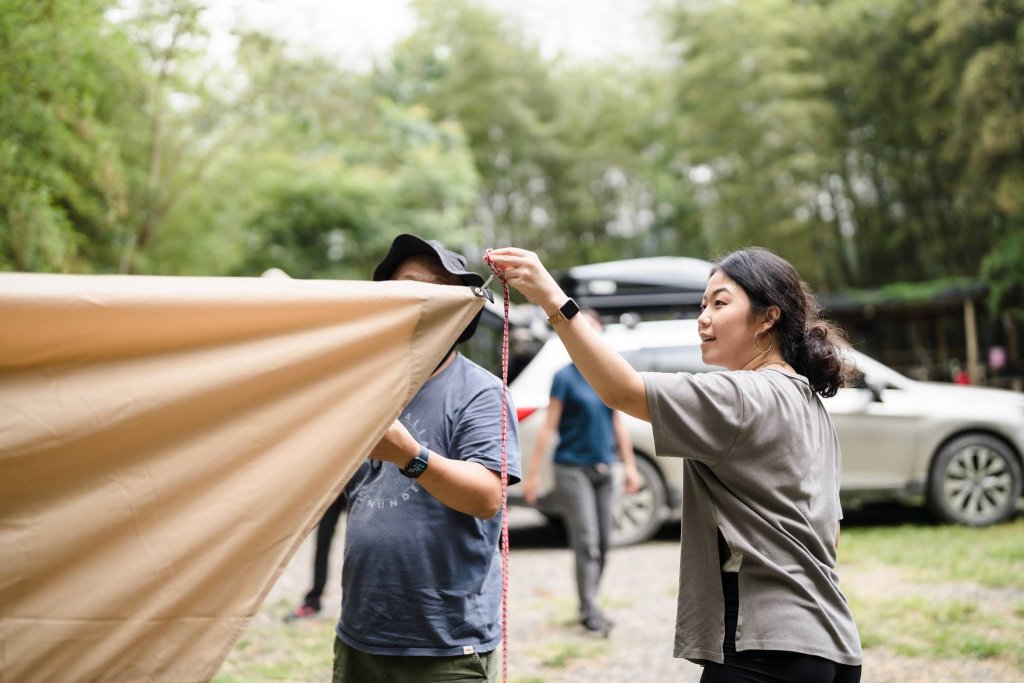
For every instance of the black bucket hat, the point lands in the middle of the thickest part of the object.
(407, 245)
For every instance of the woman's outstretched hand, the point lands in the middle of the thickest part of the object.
(524, 271)
(618, 384)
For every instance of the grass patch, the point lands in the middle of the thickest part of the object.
(914, 626)
(993, 556)
(946, 623)
(272, 651)
(559, 655)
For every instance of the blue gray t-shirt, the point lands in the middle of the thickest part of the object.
(418, 577)
(585, 434)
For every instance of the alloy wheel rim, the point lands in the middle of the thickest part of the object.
(978, 482)
(634, 510)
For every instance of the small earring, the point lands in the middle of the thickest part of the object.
(760, 350)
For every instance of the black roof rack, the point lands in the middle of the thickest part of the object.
(662, 284)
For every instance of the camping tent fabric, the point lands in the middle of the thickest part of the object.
(167, 443)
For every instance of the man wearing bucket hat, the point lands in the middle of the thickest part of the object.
(421, 575)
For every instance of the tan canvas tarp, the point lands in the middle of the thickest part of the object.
(167, 443)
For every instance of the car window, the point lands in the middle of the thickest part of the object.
(484, 347)
(666, 359)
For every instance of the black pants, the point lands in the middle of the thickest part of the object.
(766, 666)
(324, 536)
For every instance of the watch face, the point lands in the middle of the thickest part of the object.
(417, 465)
(415, 468)
(569, 309)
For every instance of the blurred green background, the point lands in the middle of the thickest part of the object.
(871, 142)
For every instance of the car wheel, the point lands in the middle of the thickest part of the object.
(638, 516)
(975, 479)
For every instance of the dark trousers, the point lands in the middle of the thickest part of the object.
(324, 535)
(766, 666)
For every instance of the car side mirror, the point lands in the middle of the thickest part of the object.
(876, 388)
(873, 385)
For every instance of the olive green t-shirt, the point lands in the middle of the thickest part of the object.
(762, 464)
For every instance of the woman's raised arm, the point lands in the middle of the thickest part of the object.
(615, 381)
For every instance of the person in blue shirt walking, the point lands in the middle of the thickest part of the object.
(590, 435)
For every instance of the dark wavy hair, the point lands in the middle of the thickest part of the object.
(811, 344)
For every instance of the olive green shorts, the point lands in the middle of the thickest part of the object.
(353, 666)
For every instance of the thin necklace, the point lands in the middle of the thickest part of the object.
(772, 362)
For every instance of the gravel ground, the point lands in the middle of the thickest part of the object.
(638, 594)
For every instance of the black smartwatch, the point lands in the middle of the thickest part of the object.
(417, 465)
(565, 312)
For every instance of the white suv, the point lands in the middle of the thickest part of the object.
(959, 448)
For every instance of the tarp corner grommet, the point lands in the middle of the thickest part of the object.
(483, 293)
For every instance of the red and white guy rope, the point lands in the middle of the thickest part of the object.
(504, 470)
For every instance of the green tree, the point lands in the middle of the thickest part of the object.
(468, 66)
(867, 140)
(929, 156)
(191, 120)
(108, 129)
(619, 191)
(569, 157)
(68, 82)
(753, 123)
(975, 53)
(341, 170)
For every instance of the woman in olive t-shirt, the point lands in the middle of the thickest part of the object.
(759, 598)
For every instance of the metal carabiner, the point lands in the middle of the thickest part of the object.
(483, 292)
